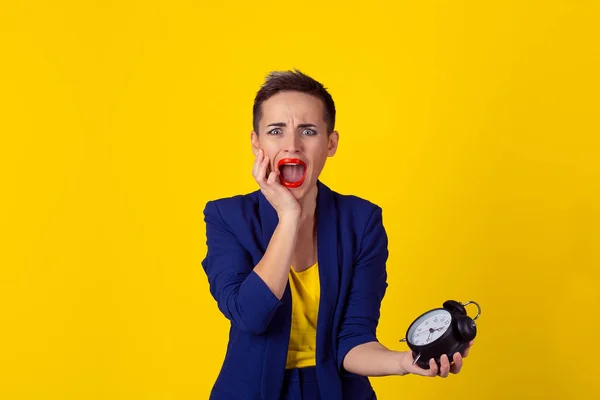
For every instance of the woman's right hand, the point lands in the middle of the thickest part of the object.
(278, 195)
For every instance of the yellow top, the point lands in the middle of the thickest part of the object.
(305, 289)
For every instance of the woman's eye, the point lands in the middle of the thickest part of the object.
(309, 132)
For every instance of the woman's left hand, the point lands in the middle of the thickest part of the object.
(446, 367)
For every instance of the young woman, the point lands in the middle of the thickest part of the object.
(298, 269)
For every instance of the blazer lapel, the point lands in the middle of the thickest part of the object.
(327, 254)
(327, 246)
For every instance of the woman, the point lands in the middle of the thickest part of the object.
(298, 269)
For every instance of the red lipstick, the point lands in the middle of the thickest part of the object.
(291, 161)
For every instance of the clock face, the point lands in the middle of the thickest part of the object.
(429, 327)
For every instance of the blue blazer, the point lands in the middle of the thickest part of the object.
(352, 255)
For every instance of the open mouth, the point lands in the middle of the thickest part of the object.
(292, 172)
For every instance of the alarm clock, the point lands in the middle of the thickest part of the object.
(444, 330)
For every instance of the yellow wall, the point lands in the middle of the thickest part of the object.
(473, 124)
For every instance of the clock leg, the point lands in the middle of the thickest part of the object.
(416, 358)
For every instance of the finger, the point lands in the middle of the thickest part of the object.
(272, 177)
(433, 368)
(431, 371)
(265, 167)
(445, 366)
(257, 161)
(466, 351)
(458, 363)
(262, 170)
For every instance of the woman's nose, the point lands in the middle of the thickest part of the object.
(292, 144)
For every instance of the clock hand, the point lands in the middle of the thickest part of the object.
(430, 330)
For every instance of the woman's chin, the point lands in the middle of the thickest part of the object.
(300, 191)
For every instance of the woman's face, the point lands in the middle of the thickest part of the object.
(293, 134)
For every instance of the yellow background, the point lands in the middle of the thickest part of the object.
(473, 124)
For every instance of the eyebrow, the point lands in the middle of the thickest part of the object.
(281, 124)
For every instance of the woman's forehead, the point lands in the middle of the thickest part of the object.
(294, 107)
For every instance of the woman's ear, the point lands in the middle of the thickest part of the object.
(254, 143)
(332, 144)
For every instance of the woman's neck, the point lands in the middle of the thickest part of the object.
(305, 252)
(308, 204)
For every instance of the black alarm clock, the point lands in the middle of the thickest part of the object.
(444, 330)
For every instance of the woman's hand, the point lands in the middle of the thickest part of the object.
(446, 368)
(278, 195)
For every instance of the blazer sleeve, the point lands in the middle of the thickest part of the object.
(367, 289)
(242, 296)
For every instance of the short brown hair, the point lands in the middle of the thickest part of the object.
(295, 80)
